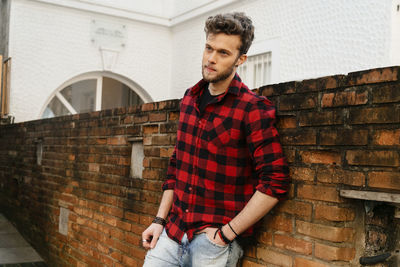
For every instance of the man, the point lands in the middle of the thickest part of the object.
(227, 170)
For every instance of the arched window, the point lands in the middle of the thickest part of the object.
(93, 92)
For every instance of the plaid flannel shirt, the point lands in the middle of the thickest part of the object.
(221, 157)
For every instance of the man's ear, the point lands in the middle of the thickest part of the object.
(242, 59)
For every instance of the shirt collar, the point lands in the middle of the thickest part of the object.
(234, 86)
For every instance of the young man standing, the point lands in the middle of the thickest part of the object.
(227, 170)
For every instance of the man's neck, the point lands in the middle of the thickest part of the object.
(221, 86)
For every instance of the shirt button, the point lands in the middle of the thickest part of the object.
(190, 188)
(186, 210)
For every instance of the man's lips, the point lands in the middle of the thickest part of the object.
(209, 69)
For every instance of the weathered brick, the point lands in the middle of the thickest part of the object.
(169, 127)
(388, 114)
(386, 137)
(148, 107)
(141, 118)
(117, 140)
(331, 253)
(301, 173)
(157, 116)
(329, 233)
(298, 208)
(321, 157)
(386, 93)
(349, 97)
(280, 223)
(334, 213)
(374, 76)
(293, 244)
(386, 180)
(173, 116)
(150, 129)
(273, 257)
(318, 192)
(298, 137)
(321, 118)
(373, 158)
(344, 137)
(265, 238)
(290, 154)
(301, 262)
(287, 122)
(247, 263)
(335, 175)
(166, 152)
(297, 101)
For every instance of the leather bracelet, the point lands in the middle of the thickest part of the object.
(232, 229)
(159, 220)
(223, 237)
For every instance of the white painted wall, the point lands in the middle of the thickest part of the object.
(313, 38)
(51, 44)
(395, 28)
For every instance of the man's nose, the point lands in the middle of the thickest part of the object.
(212, 57)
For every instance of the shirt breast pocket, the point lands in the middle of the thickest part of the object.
(222, 132)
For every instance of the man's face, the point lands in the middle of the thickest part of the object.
(221, 57)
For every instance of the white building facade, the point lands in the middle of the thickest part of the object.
(72, 56)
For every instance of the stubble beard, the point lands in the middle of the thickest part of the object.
(220, 77)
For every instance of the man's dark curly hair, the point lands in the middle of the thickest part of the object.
(236, 23)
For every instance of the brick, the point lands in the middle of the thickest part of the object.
(314, 118)
(300, 209)
(373, 115)
(384, 180)
(302, 174)
(321, 157)
(161, 140)
(273, 257)
(150, 129)
(153, 174)
(286, 122)
(334, 175)
(344, 137)
(386, 93)
(128, 261)
(298, 137)
(148, 107)
(349, 97)
(373, 158)
(169, 127)
(297, 101)
(334, 213)
(157, 116)
(173, 116)
(329, 233)
(318, 192)
(280, 223)
(293, 244)
(166, 152)
(151, 151)
(301, 262)
(141, 118)
(94, 167)
(168, 104)
(118, 140)
(247, 263)
(386, 74)
(386, 137)
(331, 253)
(265, 238)
(307, 85)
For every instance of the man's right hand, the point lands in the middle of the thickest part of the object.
(151, 234)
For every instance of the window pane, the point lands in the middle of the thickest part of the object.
(81, 95)
(55, 108)
(117, 94)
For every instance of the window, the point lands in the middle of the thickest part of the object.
(91, 94)
(256, 71)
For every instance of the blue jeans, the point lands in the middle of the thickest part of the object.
(200, 252)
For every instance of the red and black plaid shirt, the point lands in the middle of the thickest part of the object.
(221, 157)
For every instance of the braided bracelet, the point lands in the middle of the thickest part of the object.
(159, 220)
(223, 237)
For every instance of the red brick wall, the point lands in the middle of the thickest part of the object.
(338, 132)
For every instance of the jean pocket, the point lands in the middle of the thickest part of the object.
(213, 243)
